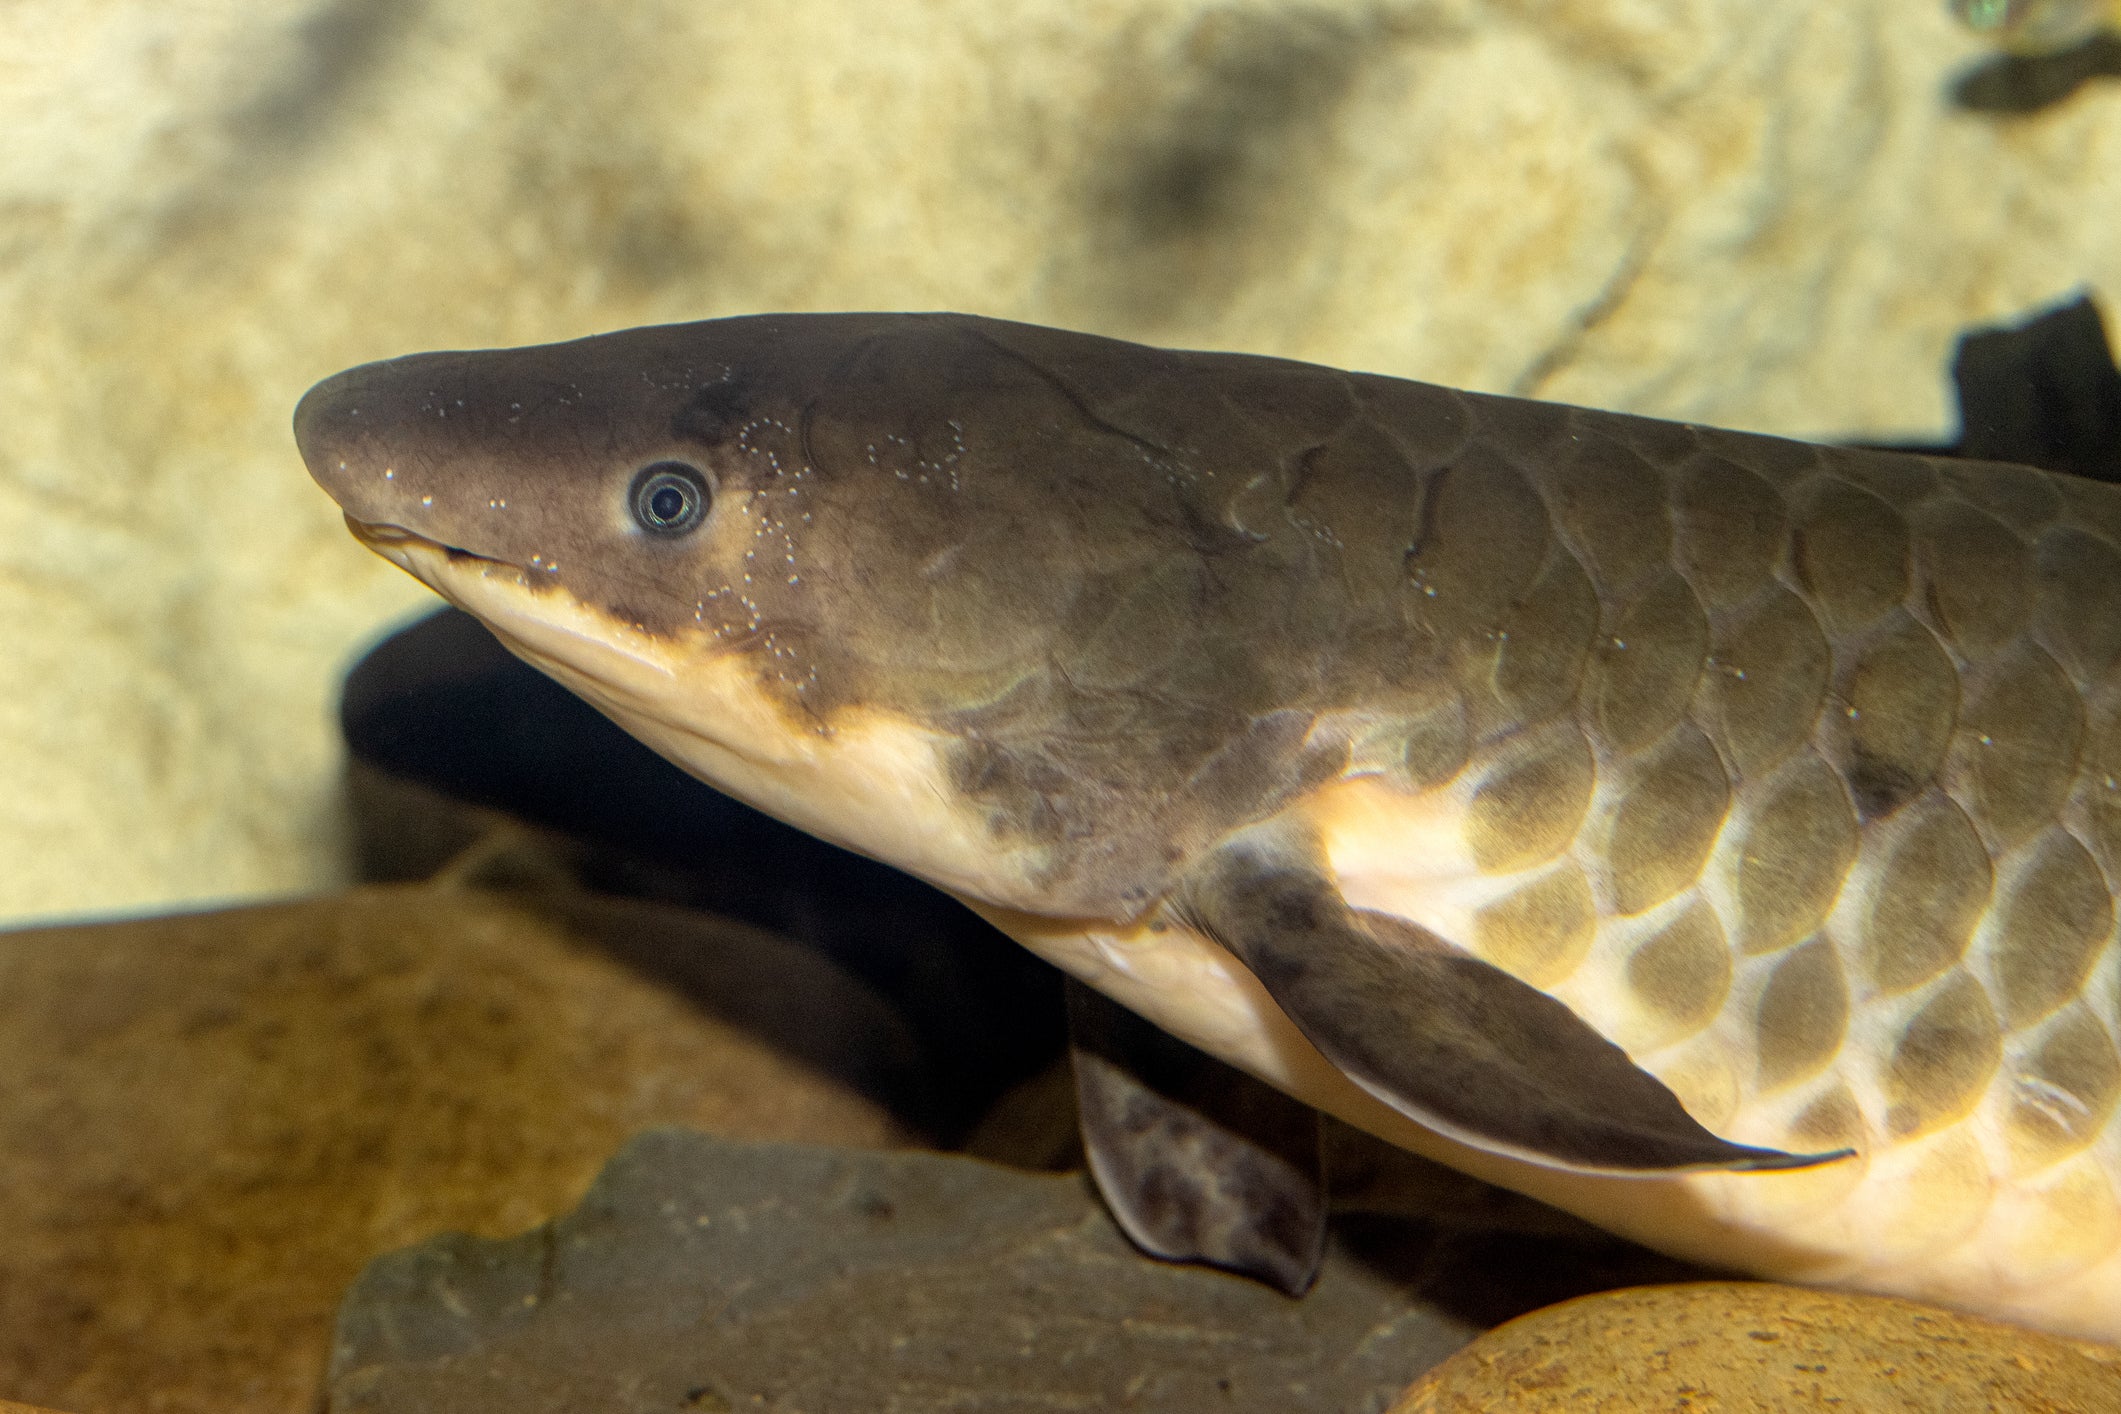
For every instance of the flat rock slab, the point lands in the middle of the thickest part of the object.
(1760, 1348)
(702, 1273)
(212, 1122)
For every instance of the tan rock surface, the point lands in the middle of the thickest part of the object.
(1770, 215)
(1759, 1348)
(211, 1122)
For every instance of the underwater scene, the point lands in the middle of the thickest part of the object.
(1341, 705)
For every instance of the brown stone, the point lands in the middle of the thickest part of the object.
(1761, 1348)
(212, 1121)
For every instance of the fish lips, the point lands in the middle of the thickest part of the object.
(407, 549)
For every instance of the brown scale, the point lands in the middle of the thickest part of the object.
(2020, 497)
(1832, 1120)
(1663, 816)
(1435, 740)
(1661, 444)
(1613, 509)
(2053, 914)
(1681, 974)
(2099, 791)
(1532, 796)
(1850, 554)
(1481, 540)
(1134, 633)
(1976, 576)
(1897, 704)
(1927, 889)
(1801, 1015)
(2064, 1089)
(2078, 591)
(1540, 931)
(1943, 1059)
(2090, 505)
(1648, 665)
(1786, 861)
(1898, 481)
(1546, 640)
(1766, 682)
(1730, 526)
(2015, 754)
(1430, 424)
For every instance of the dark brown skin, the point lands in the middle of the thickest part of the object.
(1129, 580)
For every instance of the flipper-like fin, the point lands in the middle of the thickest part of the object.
(1448, 1040)
(1198, 1162)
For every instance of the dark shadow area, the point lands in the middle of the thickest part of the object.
(2043, 392)
(770, 987)
(1485, 1277)
(2018, 85)
(440, 704)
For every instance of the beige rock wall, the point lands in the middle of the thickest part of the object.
(1766, 215)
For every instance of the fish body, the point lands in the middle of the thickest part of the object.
(1712, 835)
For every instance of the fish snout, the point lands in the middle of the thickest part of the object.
(335, 435)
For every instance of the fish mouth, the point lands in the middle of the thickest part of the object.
(498, 593)
(393, 542)
(380, 532)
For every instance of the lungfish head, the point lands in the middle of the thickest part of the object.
(1025, 613)
(890, 578)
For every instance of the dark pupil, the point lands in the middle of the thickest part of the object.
(668, 503)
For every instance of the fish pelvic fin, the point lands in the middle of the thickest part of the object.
(1448, 1040)
(1197, 1161)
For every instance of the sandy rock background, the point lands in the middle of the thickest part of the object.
(1773, 216)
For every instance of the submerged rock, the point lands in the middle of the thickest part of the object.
(702, 1273)
(1759, 1346)
(210, 1122)
(705, 1274)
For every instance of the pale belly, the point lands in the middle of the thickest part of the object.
(1978, 1183)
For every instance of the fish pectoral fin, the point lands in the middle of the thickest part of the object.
(1451, 1042)
(1198, 1161)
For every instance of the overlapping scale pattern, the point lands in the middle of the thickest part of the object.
(1798, 773)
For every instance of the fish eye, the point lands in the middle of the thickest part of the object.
(669, 498)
